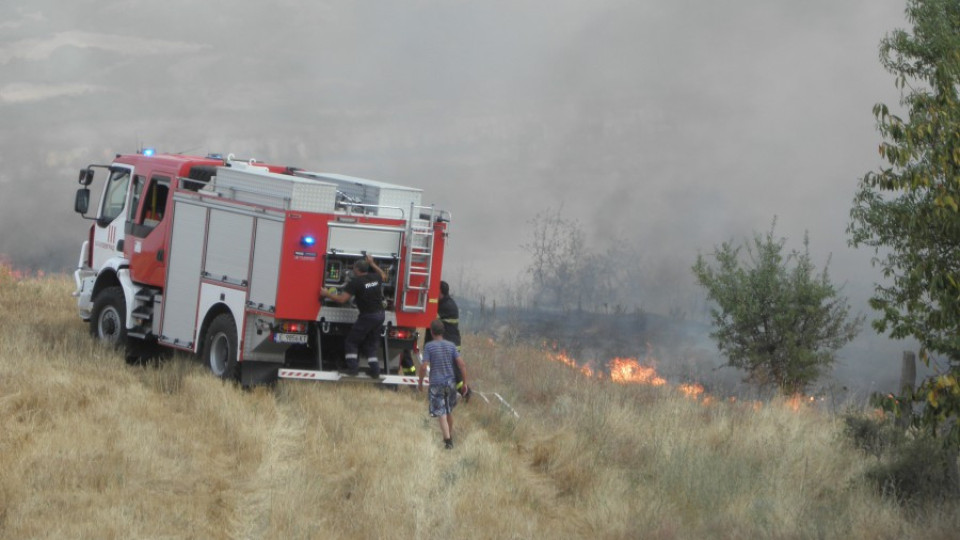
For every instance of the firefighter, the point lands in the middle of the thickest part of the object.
(366, 286)
(449, 314)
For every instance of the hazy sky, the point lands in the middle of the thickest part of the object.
(670, 125)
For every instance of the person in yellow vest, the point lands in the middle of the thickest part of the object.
(449, 314)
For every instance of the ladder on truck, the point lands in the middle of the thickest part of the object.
(418, 261)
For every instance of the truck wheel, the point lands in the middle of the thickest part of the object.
(109, 321)
(220, 347)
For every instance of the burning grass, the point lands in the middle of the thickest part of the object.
(632, 371)
(91, 447)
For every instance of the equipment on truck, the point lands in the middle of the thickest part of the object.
(226, 258)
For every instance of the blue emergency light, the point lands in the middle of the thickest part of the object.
(148, 152)
(307, 240)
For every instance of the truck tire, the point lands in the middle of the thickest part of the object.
(108, 322)
(220, 348)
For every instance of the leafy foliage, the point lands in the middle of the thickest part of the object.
(941, 397)
(782, 325)
(908, 210)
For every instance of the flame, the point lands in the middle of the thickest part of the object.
(797, 401)
(692, 390)
(632, 371)
(587, 371)
(8, 271)
(629, 370)
(562, 357)
(625, 371)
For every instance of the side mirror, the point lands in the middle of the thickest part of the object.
(82, 202)
(86, 177)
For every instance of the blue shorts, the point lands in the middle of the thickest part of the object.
(443, 398)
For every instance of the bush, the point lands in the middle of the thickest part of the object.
(912, 468)
(918, 471)
(873, 435)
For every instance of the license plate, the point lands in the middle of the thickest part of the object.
(290, 338)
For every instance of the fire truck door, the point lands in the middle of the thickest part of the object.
(147, 231)
(109, 228)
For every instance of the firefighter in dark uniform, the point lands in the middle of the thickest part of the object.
(449, 314)
(366, 286)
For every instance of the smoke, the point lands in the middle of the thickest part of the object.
(670, 125)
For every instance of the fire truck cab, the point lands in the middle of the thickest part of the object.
(226, 258)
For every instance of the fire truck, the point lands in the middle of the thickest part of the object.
(225, 258)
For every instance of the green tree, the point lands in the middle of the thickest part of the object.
(782, 325)
(908, 209)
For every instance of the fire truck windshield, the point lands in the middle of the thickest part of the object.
(115, 195)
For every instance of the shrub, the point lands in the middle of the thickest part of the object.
(873, 435)
(917, 471)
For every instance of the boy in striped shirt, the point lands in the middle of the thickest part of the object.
(441, 355)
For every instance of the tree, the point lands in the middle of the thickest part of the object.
(557, 250)
(568, 273)
(782, 325)
(907, 211)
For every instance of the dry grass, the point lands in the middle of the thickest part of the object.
(93, 448)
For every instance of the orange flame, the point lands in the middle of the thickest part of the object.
(562, 357)
(8, 271)
(628, 370)
(631, 371)
(797, 401)
(691, 390)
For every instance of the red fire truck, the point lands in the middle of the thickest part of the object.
(226, 258)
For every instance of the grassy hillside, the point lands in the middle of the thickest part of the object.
(92, 448)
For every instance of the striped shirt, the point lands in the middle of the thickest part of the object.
(440, 356)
